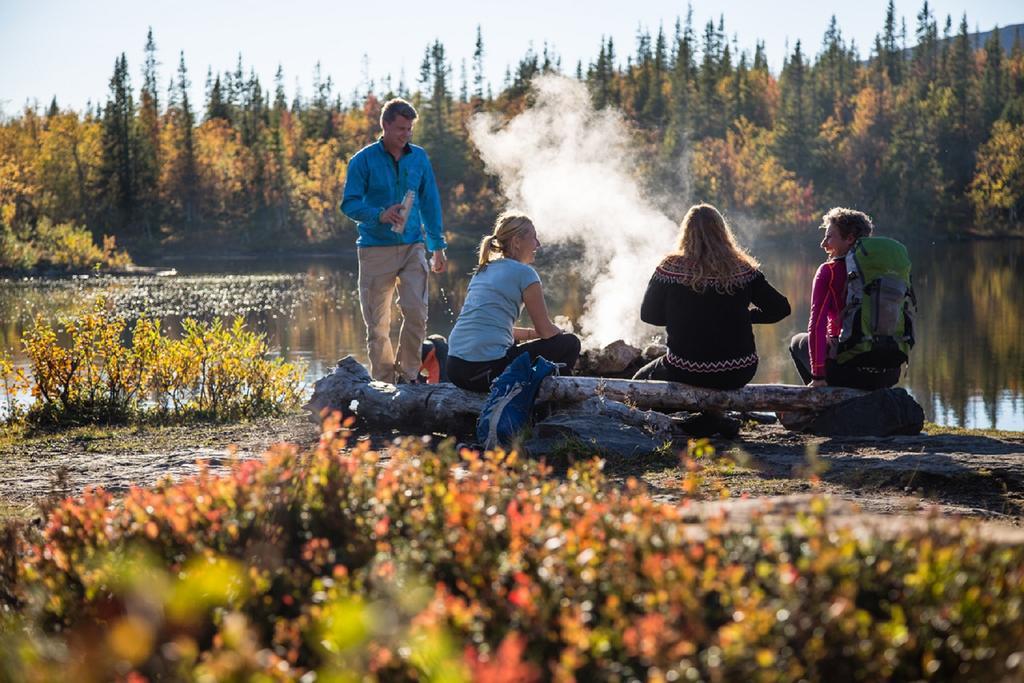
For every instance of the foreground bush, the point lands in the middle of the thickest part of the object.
(456, 566)
(90, 369)
(59, 245)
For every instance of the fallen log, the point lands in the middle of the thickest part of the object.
(413, 408)
(421, 408)
(670, 397)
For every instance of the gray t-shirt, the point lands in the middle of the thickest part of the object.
(493, 302)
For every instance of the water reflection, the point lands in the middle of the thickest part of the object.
(967, 369)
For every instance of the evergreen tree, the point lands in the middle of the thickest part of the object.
(794, 127)
(832, 75)
(708, 121)
(681, 81)
(655, 107)
(216, 106)
(435, 129)
(1014, 110)
(600, 76)
(925, 58)
(993, 86)
(148, 126)
(118, 176)
(280, 99)
(891, 54)
(186, 186)
(478, 70)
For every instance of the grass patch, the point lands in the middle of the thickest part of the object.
(932, 429)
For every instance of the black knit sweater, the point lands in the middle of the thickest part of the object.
(710, 331)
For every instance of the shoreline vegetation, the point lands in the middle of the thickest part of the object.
(160, 259)
(94, 368)
(927, 139)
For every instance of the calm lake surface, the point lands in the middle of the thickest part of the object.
(967, 369)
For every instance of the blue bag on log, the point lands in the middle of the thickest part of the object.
(508, 406)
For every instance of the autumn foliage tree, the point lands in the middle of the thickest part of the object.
(924, 138)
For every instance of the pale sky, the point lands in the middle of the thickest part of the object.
(67, 47)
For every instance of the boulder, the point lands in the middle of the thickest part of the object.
(885, 412)
(597, 433)
(617, 359)
(652, 351)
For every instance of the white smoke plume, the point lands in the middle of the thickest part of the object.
(573, 170)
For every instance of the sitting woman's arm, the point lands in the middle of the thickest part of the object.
(654, 306)
(769, 305)
(522, 334)
(543, 328)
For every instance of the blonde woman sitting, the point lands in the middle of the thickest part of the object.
(706, 294)
(485, 339)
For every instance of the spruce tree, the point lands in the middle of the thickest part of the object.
(118, 176)
(148, 125)
(794, 127)
(187, 186)
(478, 70)
(681, 83)
(993, 86)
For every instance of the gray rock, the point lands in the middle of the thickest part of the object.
(651, 422)
(885, 412)
(610, 361)
(652, 351)
(604, 435)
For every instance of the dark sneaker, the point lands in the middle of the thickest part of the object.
(728, 427)
(699, 425)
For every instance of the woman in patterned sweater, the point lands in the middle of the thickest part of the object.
(707, 294)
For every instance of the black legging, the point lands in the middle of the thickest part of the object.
(840, 375)
(477, 375)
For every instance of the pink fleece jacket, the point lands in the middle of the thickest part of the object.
(828, 297)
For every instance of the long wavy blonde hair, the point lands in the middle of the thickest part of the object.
(508, 225)
(712, 254)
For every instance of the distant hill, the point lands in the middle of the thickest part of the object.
(1007, 34)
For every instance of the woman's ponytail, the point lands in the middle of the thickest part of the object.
(486, 247)
(509, 225)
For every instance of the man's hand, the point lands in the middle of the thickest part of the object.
(438, 262)
(392, 214)
(818, 383)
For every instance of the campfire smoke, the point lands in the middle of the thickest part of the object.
(573, 170)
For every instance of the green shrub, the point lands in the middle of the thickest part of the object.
(430, 564)
(84, 371)
(15, 253)
(61, 245)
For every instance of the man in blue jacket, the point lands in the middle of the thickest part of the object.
(391, 239)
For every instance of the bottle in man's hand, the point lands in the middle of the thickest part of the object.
(399, 226)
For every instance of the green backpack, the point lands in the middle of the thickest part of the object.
(878, 319)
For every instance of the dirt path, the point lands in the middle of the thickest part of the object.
(967, 474)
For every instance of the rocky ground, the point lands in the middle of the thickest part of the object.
(951, 472)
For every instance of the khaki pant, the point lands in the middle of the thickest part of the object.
(379, 269)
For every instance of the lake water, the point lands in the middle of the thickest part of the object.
(967, 369)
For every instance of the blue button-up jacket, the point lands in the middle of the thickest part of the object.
(376, 181)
